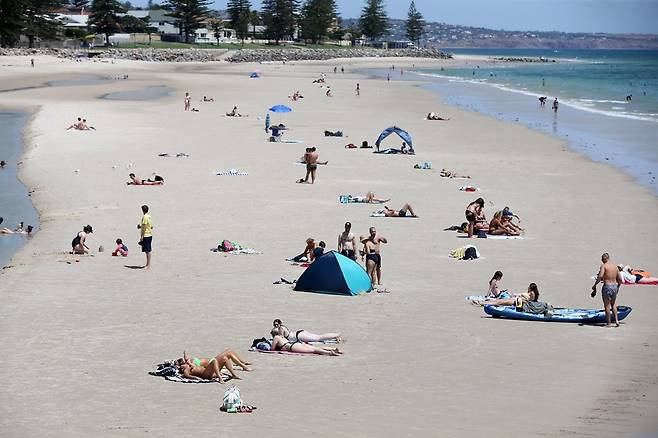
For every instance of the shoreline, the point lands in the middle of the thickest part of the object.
(123, 320)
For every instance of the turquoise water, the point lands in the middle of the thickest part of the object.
(589, 80)
(15, 204)
(594, 116)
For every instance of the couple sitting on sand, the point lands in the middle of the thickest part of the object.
(500, 225)
(522, 301)
(298, 341)
(81, 125)
(135, 181)
(211, 368)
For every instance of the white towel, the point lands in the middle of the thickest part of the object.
(231, 172)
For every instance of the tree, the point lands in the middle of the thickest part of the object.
(12, 21)
(79, 4)
(317, 19)
(373, 21)
(104, 17)
(415, 25)
(189, 14)
(255, 20)
(40, 21)
(217, 27)
(279, 18)
(130, 24)
(239, 12)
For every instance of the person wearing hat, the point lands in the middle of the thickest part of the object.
(347, 242)
(506, 219)
(78, 243)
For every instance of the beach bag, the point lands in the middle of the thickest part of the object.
(470, 253)
(226, 246)
(231, 399)
(344, 199)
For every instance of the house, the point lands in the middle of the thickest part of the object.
(157, 18)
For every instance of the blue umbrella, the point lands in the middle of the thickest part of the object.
(280, 109)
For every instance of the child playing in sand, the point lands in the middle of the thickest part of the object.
(121, 249)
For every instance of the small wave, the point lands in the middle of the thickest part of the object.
(602, 101)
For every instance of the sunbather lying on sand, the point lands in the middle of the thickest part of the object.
(213, 370)
(629, 277)
(369, 198)
(279, 343)
(434, 116)
(445, 173)
(202, 361)
(498, 228)
(400, 213)
(135, 181)
(208, 99)
(302, 335)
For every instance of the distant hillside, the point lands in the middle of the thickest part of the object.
(450, 35)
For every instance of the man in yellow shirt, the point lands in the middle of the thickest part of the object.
(146, 235)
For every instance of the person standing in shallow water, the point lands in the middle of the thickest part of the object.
(555, 105)
(146, 235)
(188, 101)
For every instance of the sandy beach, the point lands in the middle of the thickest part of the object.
(82, 336)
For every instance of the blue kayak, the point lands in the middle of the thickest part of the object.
(583, 316)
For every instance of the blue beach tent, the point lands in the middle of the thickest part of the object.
(404, 135)
(333, 273)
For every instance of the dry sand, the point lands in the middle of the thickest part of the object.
(79, 338)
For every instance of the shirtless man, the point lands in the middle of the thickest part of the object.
(400, 213)
(609, 276)
(374, 253)
(347, 242)
(311, 159)
(76, 125)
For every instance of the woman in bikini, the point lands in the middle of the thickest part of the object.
(134, 181)
(302, 335)
(279, 343)
(213, 370)
(498, 228)
(475, 216)
(202, 361)
(78, 244)
(531, 295)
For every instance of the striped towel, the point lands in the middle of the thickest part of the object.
(231, 172)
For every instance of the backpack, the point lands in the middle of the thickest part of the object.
(165, 369)
(226, 246)
(231, 398)
(470, 253)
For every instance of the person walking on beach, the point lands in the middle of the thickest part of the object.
(146, 235)
(188, 101)
(555, 105)
(358, 89)
(32, 62)
(611, 279)
(347, 242)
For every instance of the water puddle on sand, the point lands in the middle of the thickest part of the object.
(151, 92)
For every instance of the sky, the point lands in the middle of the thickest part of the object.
(612, 16)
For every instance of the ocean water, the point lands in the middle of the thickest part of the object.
(591, 86)
(15, 204)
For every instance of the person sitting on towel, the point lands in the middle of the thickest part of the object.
(531, 295)
(498, 228)
(156, 181)
(234, 112)
(401, 212)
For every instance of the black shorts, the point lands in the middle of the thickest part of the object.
(470, 216)
(146, 244)
(349, 253)
(375, 258)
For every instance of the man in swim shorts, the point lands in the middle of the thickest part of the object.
(400, 213)
(611, 279)
(376, 256)
(311, 159)
(347, 242)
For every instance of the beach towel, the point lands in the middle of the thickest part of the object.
(231, 172)
(469, 189)
(427, 165)
(461, 254)
(256, 350)
(169, 371)
(652, 283)
(178, 155)
(349, 199)
(380, 213)
(493, 237)
(291, 141)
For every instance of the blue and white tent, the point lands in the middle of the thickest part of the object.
(404, 135)
(333, 273)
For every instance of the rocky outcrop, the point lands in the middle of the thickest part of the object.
(245, 55)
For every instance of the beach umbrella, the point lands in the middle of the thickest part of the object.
(280, 109)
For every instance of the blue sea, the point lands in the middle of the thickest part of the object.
(592, 86)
